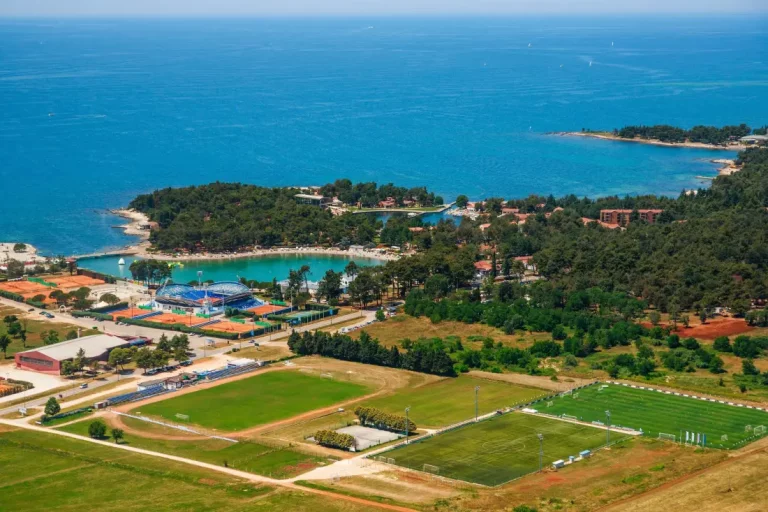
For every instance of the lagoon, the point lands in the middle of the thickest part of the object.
(261, 268)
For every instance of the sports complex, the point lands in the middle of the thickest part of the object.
(204, 306)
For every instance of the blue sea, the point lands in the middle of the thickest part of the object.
(96, 111)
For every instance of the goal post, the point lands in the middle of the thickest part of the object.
(759, 430)
(184, 417)
(569, 417)
(575, 396)
(550, 404)
(724, 437)
(429, 468)
(667, 437)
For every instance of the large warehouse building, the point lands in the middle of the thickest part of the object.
(49, 359)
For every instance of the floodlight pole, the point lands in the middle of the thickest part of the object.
(477, 390)
(608, 428)
(407, 409)
(541, 449)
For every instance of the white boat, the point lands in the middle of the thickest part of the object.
(121, 261)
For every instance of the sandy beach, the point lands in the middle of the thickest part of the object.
(144, 248)
(653, 142)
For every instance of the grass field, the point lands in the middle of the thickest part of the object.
(655, 412)
(255, 401)
(452, 400)
(260, 459)
(500, 449)
(52, 472)
(34, 328)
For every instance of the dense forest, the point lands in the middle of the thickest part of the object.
(369, 194)
(707, 249)
(700, 133)
(232, 216)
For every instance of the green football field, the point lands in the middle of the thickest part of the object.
(255, 401)
(500, 449)
(658, 412)
(452, 400)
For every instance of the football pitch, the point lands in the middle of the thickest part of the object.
(452, 400)
(257, 400)
(500, 449)
(657, 412)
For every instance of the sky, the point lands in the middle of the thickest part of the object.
(180, 8)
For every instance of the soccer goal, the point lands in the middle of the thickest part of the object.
(184, 417)
(748, 428)
(388, 460)
(569, 417)
(550, 404)
(667, 437)
(759, 430)
(724, 437)
(429, 468)
(575, 396)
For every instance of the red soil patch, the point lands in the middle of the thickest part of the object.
(711, 330)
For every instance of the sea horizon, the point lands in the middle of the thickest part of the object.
(101, 112)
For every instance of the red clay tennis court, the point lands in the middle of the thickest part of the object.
(172, 318)
(267, 309)
(230, 327)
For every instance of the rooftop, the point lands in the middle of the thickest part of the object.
(94, 346)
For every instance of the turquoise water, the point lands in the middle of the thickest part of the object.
(259, 269)
(97, 111)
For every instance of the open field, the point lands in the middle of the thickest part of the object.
(256, 400)
(734, 485)
(500, 449)
(260, 459)
(656, 412)
(34, 327)
(71, 475)
(452, 400)
(396, 329)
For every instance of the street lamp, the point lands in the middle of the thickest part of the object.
(477, 390)
(541, 449)
(407, 409)
(608, 428)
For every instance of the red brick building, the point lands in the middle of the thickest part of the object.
(622, 217)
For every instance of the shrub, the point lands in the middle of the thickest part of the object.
(383, 420)
(334, 439)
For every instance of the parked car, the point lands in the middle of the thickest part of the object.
(48, 315)
(30, 310)
(41, 313)
(84, 385)
(185, 363)
(152, 372)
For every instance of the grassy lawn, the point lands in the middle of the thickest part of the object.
(277, 462)
(257, 400)
(34, 327)
(452, 400)
(74, 417)
(69, 475)
(655, 412)
(499, 449)
(394, 330)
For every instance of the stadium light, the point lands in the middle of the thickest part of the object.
(541, 449)
(608, 428)
(407, 409)
(477, 390)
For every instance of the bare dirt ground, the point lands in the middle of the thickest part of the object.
(407, 487)
(735, 484)
(563, 384)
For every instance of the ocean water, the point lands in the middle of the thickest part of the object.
(95, 112)
(260, 269)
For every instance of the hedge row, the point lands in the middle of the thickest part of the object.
(96, 275)
(11, 295)
(107, 309)
(185, 328)
(67, 414)
(333, 439)
(34, 303)
(91, 314)
(383, 420)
